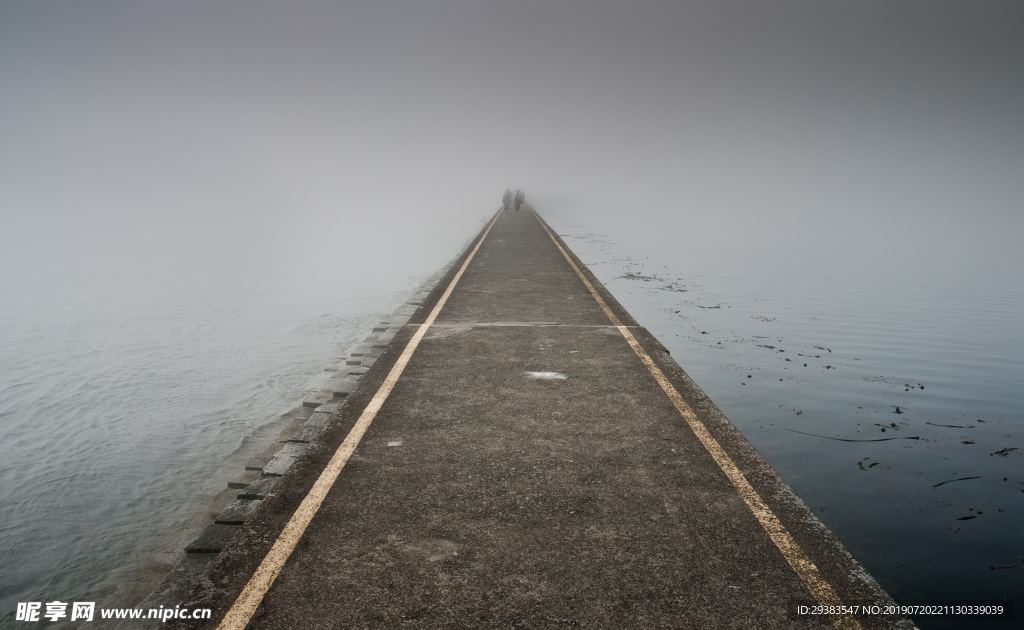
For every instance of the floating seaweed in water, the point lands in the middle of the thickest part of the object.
(674, 287)
(632, 275)
(1008, 566)
(1003, 452)
(838, 439)
(976, 514)
(942, 483)
(952, 426)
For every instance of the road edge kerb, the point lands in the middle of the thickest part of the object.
(218, 582)
(854, 583)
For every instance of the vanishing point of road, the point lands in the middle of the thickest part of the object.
(525, 455)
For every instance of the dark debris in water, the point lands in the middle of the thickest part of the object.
(968, 517)
(942, 483)
(1003, 452)
(952, 426)
(839, 439)
(896, 382)
(632, 275)
(674, 287)
(1019, 565)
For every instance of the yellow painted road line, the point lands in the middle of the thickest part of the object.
(268, 570)
(787, 545)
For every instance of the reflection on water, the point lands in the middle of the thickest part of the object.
(890, 402)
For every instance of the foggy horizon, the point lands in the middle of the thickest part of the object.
(228, 132)
(814, 206)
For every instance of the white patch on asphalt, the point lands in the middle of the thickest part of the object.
(547, 376)
(395, 443)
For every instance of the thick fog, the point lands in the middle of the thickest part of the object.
(271, 136)
(203, 202)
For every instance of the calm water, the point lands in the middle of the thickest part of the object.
(790, 349)
(128, 400)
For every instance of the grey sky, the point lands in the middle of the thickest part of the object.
(229, 129)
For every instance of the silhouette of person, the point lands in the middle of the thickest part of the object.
(517, 199)
(506, 199)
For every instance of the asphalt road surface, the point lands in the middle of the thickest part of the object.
(533, 459)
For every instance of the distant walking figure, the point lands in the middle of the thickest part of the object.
(506, 199)
(518, 199)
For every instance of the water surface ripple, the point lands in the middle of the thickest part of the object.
(817, 368)
(126, 405)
